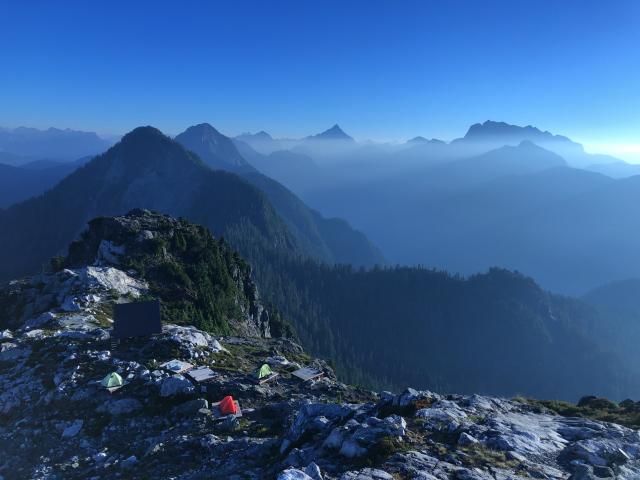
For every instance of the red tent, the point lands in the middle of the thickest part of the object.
(228, 406)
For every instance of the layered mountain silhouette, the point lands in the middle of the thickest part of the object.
(145, 169)
(260, 141)
(490, 134)
(332, 241)
(19, 183)
(422, 140)
(52, 143)
(615, 169)
(450, 326)
(295, 169)
(502, 195)
(149, 170)
(623, 294)
(524, 158)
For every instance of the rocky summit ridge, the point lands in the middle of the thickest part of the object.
(56, 420)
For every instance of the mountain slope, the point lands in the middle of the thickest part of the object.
(148, 170)
(586, 240)
(31, 179)
(623, 294)
(524, 158)
(517, 207)
(18, 183)
(382, 327)
(495, 333)
(297, 171)
(342, 244)
(619, 303)
(261, 142)
(615, 169)
(331, 240)
(215, 150)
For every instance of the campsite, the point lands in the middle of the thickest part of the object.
(139, 321)
(216, 376)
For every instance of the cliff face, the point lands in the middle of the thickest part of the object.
(57, 421)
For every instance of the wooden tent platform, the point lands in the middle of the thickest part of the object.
(182, 366)
(201, 374)
(307, 374)
(267, 379)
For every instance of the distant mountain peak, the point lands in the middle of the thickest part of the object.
(419, 139)
(203, 128)
(215, 149)
(263, 135)
(526, 157)
(51, 143)
(260, 136)
(142, 132)
(528, 144)
(333, 133)
(491, 129)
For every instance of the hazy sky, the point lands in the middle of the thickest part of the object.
(383, 70)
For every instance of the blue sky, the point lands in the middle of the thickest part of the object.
(382, 70)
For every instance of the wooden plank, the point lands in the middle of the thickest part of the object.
(267, 379)
(184, 366)
(201, 374)
(306, 374)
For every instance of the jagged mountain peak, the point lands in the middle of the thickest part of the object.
(491, 129)
(264, 135)
(259, 136)
(333, 133)
(423, 140)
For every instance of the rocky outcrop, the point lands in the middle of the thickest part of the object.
(146, 253)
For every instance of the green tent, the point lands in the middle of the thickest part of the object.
(112, 380)
(263, 371)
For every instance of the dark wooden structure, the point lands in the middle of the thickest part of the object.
(136, 319)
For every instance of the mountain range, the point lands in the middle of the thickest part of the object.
(21, 145)
(517, 197)
(501, 195)
(147, 169)
(329, 240)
